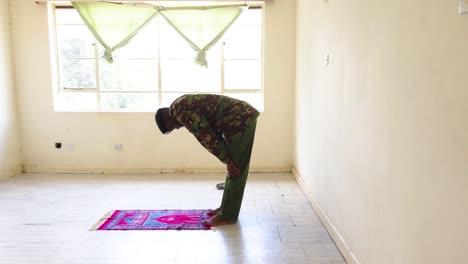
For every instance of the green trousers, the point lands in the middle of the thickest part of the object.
(240, 149)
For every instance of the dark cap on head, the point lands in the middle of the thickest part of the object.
(160, 118)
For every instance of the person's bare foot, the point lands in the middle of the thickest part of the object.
(214, 212)
(216, 221)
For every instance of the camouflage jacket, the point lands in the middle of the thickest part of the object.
(213, 120)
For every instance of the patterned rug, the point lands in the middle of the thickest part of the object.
(153, 220)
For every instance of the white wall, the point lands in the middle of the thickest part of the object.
(382, 132)
(10, 155)
(144, 148)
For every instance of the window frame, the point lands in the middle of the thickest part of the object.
(159, 91)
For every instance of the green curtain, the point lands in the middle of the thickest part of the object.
(202, 27)
(113, 24)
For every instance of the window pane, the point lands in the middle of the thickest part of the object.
(67, 16)
(243, 42)
(250, 17)
(143, 45)
(173, 45)
(77, 73)
(243, 74)
(75, 42)
(76, 101)
(168, 98)
(185, 75)
(129, 75)
(255, 99)
(129, 101)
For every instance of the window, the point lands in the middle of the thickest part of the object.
(155, 68)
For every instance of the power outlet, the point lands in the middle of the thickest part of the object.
(70, 147)
(118, 147)
(463, 9)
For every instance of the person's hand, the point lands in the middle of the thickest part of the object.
(232, 169)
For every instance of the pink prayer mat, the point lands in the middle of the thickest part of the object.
(154, 220)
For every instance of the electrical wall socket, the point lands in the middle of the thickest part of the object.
(118, 147)
(463, 9)
(70, 147)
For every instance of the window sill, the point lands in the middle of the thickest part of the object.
(61, 110)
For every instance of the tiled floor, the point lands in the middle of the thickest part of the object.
(45, 218)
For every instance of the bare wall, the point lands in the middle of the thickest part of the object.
(382, 131)
(10, 154)
(144, 148)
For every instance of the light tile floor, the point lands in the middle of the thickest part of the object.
(45, 218)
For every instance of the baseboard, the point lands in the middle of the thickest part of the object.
(47, 169)
(10, 172)
(332, 230)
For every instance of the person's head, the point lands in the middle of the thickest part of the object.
(166, 123)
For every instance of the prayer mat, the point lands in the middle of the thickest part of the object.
(153, 220)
